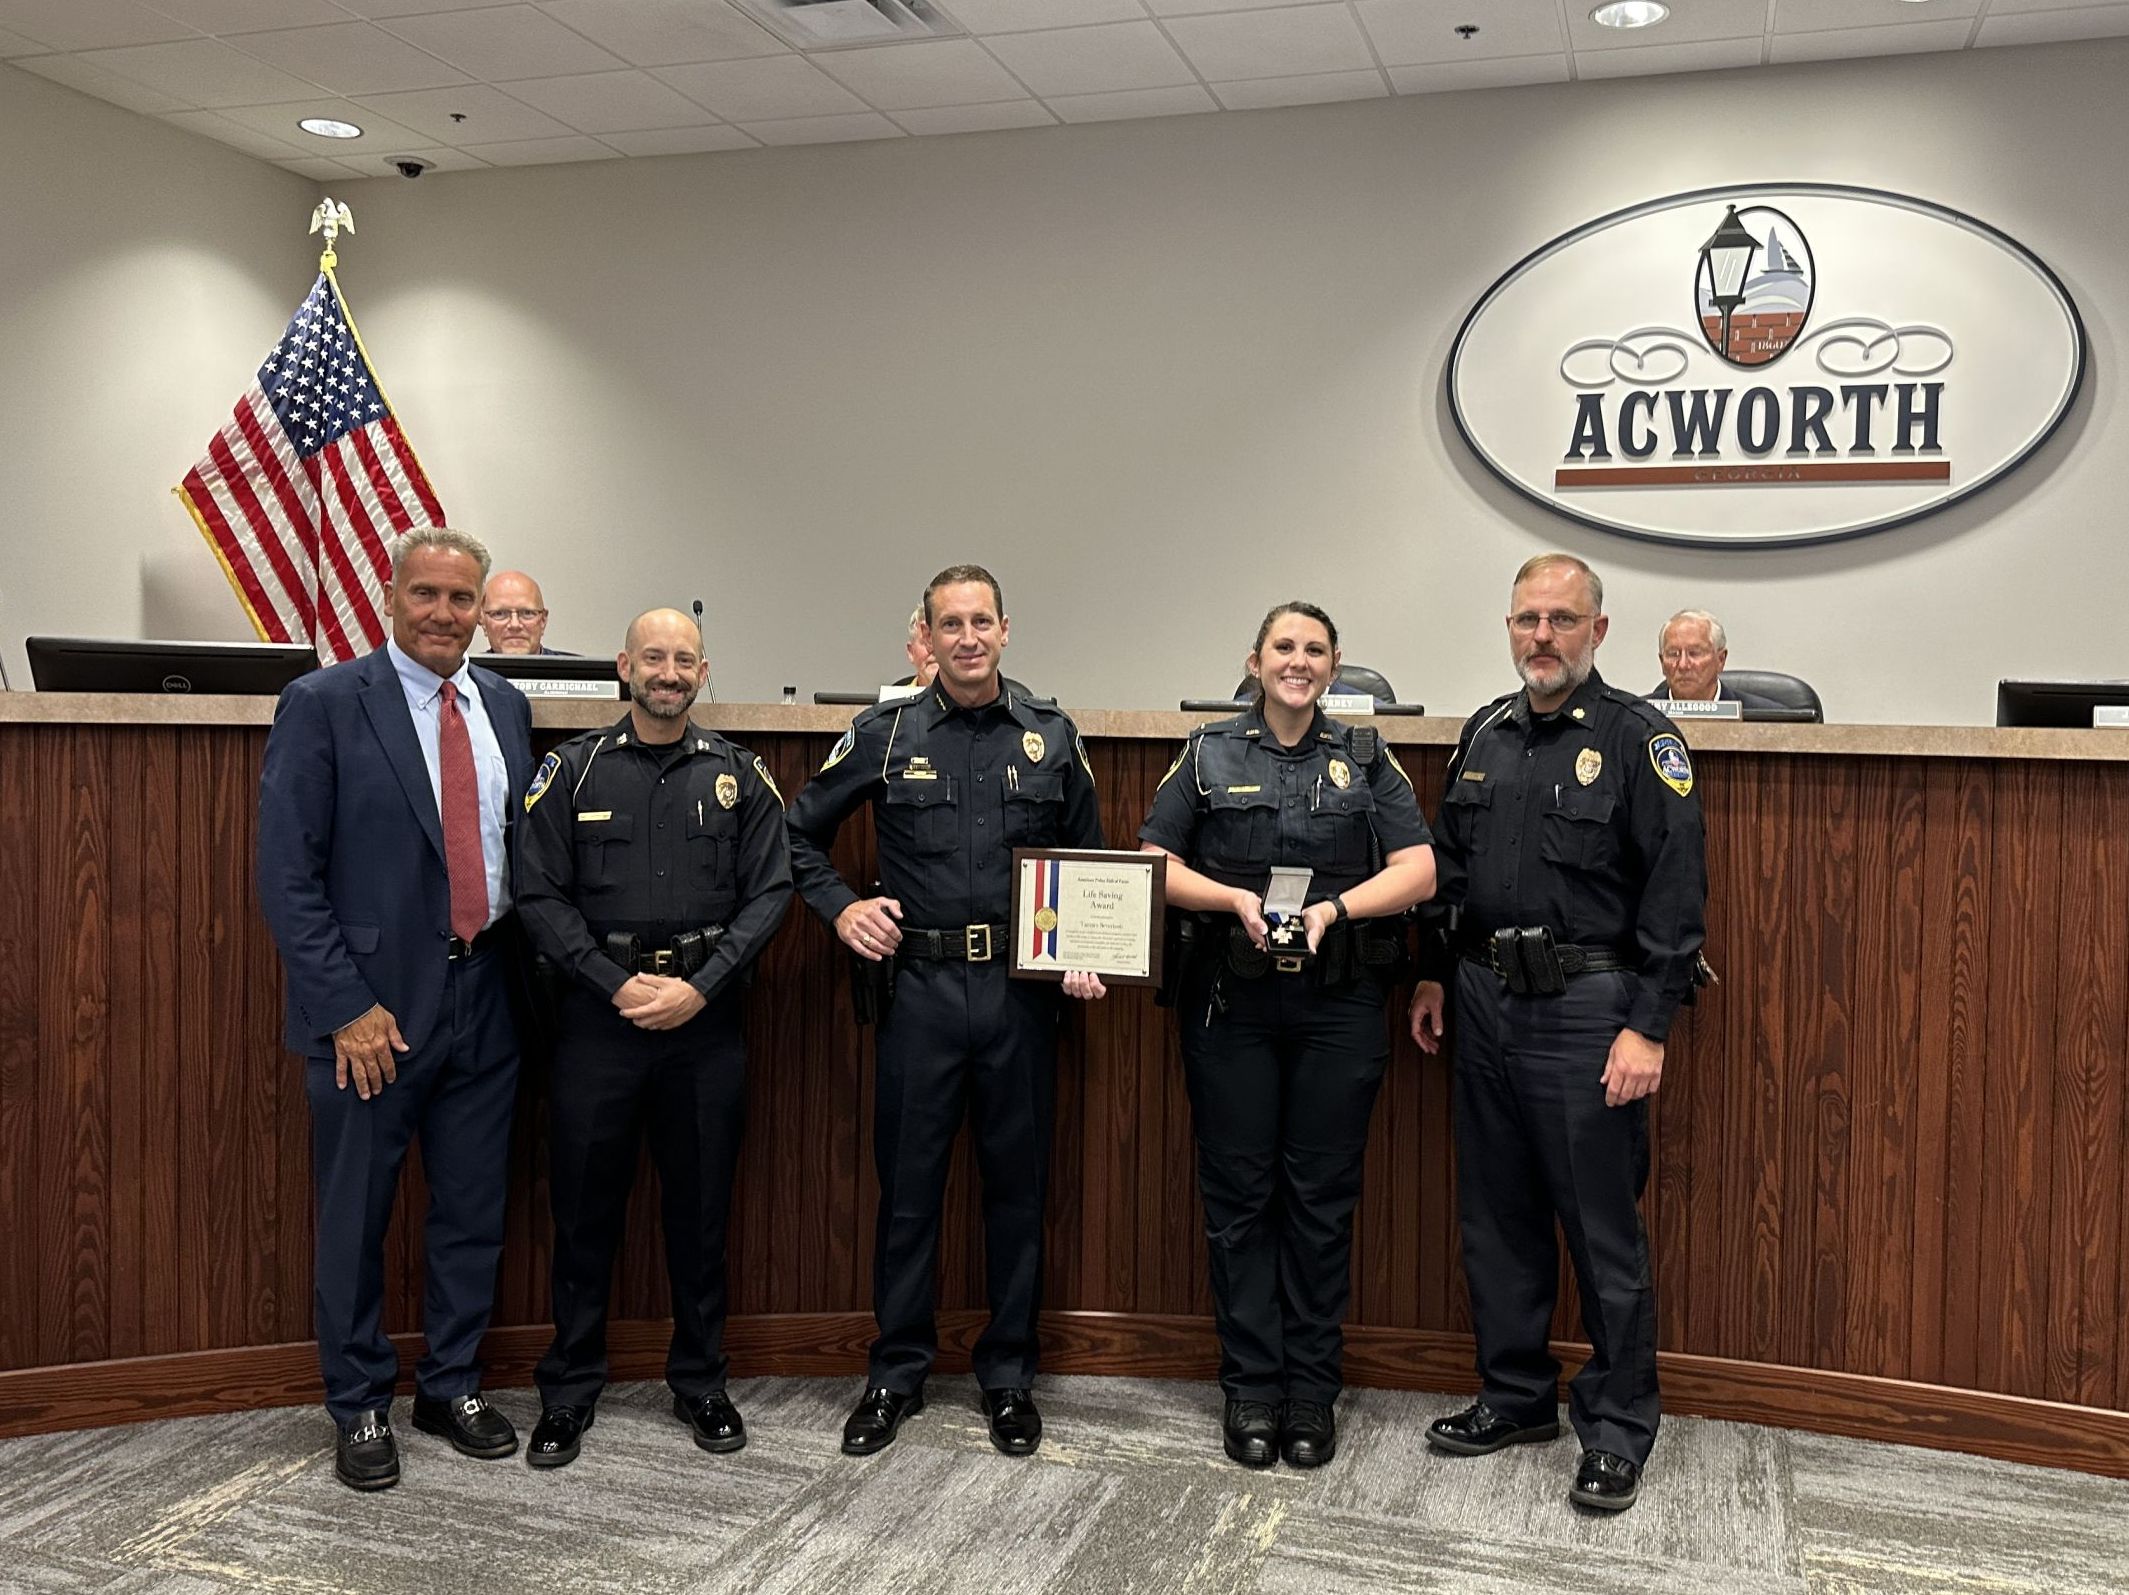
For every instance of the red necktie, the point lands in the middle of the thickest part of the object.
(462, 821)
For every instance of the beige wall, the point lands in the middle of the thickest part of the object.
(1157, 374)
(143, 274)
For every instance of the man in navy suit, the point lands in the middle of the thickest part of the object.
(384, 813)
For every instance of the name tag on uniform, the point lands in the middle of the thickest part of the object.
(584, 815)
(1245, 789)
(1473, 775)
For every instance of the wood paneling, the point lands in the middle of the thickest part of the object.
(1889, 1146)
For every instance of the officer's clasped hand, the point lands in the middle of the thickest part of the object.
(867, 927)
(1249, 909)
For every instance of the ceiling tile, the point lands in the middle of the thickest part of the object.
(279, 121)
(1842, 43)
(667, 32)
(905, 77)
(1129, 103)
(1122, 55)
(491, 115)
(1193, 8)
(504, 42)
(1318, 88)
(2053, 27)
(610, 102)
(1267, 44)
(76, 73)
(1819, 16)
(1688, 23)
(1704, 56)
(16, 44)
(352, 58)
(977, 118)
(1451, 77)
(249, 16)
(79, 25)
(772, 88)
(1999, 8)
(408, 8)
(202, 72)
(543, 151)
(680, 140)
(1406, 34)
(379, 163)
(824, 129)
(212, 124)
(1022, 16)
(321, 171)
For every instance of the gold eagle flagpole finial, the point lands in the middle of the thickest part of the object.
(329, 218)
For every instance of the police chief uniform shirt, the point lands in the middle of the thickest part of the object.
(954, 791)
(1235, 803)
(1583, 821)
(656, 838)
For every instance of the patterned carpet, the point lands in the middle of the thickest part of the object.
(1129, 1494)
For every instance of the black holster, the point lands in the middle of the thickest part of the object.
(871, 989)
(1524, 957)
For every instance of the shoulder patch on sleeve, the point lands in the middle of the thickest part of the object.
(541, 779)
(1079, 746)
(768, 780)
(1674, 766)
(841, 750)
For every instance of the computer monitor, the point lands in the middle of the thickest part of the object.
(555, 675)
(107, 664)
(2057, 703)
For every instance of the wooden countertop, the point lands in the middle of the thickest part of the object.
(1879, 741)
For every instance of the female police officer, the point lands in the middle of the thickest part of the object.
(1283, 1052)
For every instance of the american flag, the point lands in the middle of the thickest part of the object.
(299, 491)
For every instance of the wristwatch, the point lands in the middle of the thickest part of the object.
(1339, 912)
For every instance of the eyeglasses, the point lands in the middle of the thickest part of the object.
(523, 617)
(1687, 656)
(1559, 620)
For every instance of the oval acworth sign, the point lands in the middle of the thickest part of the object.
(1767, 363)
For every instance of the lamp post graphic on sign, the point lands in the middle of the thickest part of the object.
(1724, 259)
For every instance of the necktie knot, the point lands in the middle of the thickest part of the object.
(449, 693)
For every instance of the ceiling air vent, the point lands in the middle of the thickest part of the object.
(838, 24)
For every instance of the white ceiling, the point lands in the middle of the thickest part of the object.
(470, 83)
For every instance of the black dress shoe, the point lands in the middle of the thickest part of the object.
(1016, 1427)
(474, 1428)
(1606, 1482)
(558, 1436)
(717, 1424)
(1250, 1433)
(1479, 1431)
(367, 1456)
(1308, 1434)
(875, 1419)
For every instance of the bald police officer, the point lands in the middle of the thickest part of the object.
(957, 776)
(654, 870)
(1570, 846)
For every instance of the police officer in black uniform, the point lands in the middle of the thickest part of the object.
(1283, 1048)
(1572, 862)
(957, 776)
(654, 868)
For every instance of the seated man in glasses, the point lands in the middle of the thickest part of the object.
(1692, 648)
(514, 615)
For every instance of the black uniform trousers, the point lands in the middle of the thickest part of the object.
(1281, 1086)
(1535, 1143)
(961, 1040)
(612, 1082)
(457, 1091)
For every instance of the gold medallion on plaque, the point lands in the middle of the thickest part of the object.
(728, 791)
(1031, 744)
(1046, 919)
(1340, 775)
(1589, 764)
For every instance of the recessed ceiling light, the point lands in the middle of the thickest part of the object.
(1630, 14)
(326, 127)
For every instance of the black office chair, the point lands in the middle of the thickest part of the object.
(1790, 692)
(1351, 678)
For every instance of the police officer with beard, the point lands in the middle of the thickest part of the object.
(1284, 1049)
(1572, 862)
(654, 870)
(957, 776)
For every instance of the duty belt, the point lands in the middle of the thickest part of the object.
(684, 953)
(970, 944)
(1532, 963)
